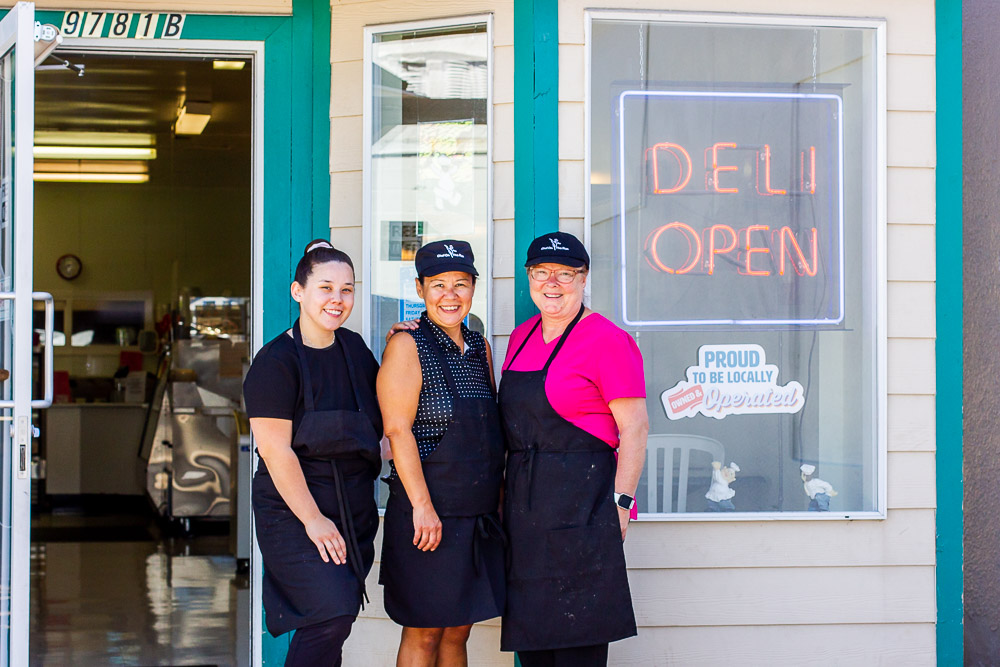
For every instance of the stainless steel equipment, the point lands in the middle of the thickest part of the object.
(200, 421)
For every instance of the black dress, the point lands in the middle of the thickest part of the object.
(462, 581)
(329, 395)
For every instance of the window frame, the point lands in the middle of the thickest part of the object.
(878, 215)
(485, 263)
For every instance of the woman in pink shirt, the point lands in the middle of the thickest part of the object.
(572, 395)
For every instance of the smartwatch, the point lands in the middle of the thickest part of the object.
(624, 501)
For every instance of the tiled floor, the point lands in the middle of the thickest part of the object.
(170, 602)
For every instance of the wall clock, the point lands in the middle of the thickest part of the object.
(69, 267)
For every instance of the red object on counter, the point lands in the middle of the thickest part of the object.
(131, 359)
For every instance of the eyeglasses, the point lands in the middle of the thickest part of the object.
(564, 276)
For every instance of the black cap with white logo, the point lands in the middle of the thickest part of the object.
(558, 248)
(442, 256)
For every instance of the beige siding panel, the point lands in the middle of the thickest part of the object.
(503, 249)
(910, 24)
(911, 253)
(856, 645)
(910, 83)
(503, 306)
(345, 199)
(349, 239)
(911, 480)
(910, 139)
(503, 124)
(911, 310)
(503, 75)
(571, 131)
(346, 150)
(911, 196)
(349, 21)
(783, 596)
(906, 537)
(911, 366)
(572, 226)
(911, 423)
(187, 6)
(503, 190)
(571, 72)
(345, 88)
(571, 188)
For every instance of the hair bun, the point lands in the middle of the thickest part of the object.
(318, 243)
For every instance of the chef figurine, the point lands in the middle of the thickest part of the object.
(819, 492)
(720, 496)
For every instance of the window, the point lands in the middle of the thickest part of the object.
(428, 160)
(428, 163)
(736, 221)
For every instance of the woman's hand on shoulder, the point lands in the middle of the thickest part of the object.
(327, 538)
(426, 527)
(407, 325)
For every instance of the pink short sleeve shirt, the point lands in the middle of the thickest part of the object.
(598, 364)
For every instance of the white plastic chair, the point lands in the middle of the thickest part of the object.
(667, 443)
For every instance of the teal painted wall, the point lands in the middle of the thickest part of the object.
(536, 134)
(949, 333)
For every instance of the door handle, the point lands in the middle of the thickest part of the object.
(50, 318)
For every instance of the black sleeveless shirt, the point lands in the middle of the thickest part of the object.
(470, 371)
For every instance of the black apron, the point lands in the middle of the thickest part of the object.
(566, 583)
(340, 457)
(461, 582)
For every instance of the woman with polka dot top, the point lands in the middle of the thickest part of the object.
(443, 546)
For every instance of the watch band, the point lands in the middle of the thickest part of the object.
(624, 501)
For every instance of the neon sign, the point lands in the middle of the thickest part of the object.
(730, 208)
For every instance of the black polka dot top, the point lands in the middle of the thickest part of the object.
(469, 370)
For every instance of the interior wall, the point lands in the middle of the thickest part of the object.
(131, 237)
(981, 311)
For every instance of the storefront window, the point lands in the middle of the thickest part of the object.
(428, 161)
(735, 230)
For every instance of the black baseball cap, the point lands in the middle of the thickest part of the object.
(558, 248)
(443, 256)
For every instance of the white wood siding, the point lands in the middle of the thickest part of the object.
(806, 592)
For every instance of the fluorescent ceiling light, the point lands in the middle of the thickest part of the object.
(228, 64)
(192, 117)
(46, 177)
(94, 153)
(57, 138)
(92, 166)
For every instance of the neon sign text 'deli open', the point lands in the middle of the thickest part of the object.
(731, 204)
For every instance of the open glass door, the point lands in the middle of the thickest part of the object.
(17, 110)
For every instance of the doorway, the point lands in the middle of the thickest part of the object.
(145, 213)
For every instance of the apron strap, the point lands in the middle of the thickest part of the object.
(307, 390)
(562, 339)
(439, 353)
(350, 534)
(307, 386)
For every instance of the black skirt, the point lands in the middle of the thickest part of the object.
(459, 583)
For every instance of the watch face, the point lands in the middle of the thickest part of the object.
(69, 266)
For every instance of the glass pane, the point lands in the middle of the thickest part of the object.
(429, 161)
(734, 218)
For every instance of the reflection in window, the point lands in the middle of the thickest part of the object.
(429, 163)
(733, 229)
